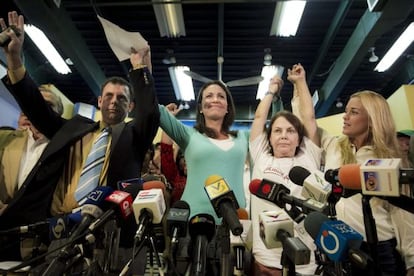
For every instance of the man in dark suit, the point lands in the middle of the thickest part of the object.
(49, 188)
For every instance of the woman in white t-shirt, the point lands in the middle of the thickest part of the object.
(368, 132)
(274, 151)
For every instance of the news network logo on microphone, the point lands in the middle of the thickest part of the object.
(217, 188)
(380, 177)
(96, 195)
(335, 238)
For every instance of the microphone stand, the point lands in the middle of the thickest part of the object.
(371, 232)
(225, 249)
(148, 240)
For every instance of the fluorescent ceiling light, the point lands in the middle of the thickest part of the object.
(287, 17)
(400, 45)
(170, 19)
(46, 47)
(182, 83)
(268, 72)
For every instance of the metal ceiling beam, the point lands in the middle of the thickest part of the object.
(58, 26)
(370, 27)
(330, 36)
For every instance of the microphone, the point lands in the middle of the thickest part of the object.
(135, 185)
(120, 204)
(272, 221)
(377, 177)
(352, 177)
(276, 230)
(202, 229)
(91, 209)
(41, 226)
(224, 202)
(177, 220)
(333, 237)
(279, 195)
(237, 243)
(314, 184)
(61, 226)
(149, 207)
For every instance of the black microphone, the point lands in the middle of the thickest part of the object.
(177, 220)
(224, 202)
(41, 226)
(314, 184)
(202, 229)
(279, 195)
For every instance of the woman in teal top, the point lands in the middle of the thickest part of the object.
(210, 148)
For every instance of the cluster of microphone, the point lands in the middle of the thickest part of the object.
(336, 241)
(145, 201)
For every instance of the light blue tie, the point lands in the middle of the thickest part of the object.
(91, 172)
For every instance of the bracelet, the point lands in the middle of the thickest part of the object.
(269, 93)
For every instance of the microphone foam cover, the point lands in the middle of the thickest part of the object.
(242, 213)
(254, 185)
(298, 175)
(212, 179)
(313, 223)
(181, 204)
(153, 184)
(202, 224)
(349, 176)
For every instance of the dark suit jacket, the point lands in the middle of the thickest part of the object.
(130, 142)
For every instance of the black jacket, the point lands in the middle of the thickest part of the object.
(130, 142)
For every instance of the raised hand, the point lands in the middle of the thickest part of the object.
(297, 73)
(14, 47)
(141, 57)
(275, 85)
(173, 108)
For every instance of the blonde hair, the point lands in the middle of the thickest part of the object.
(381, 129)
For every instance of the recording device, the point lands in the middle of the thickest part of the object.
(279, 195)
(202, 229)
(333, 237)
(349, 176)
(91, 209)
(238, 243)
(149, 207)
(135, 185)
(314, 184)
(269, 223)
(177, 220)
(4, 38)
(41, 227)
(276, 230)
(61, 226)
(377, 177)
(224, 202)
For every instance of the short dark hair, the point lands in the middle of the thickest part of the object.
(121, 81)
(291, 118)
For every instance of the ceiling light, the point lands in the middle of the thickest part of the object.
(373, 57)
(47, 48)
(399, 46)
(339, 103)
(182, 83)
(267, 59)
(170, 19)
(267, 73)
(287, 17)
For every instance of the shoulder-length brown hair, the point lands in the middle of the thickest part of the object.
(228, 120)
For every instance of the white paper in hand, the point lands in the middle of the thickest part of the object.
(120, 40)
